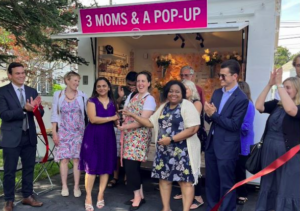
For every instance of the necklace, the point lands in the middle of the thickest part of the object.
(104, 103)
(70, 98)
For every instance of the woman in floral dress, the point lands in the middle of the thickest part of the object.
(136, 138)
(68, 111)
(177, 157)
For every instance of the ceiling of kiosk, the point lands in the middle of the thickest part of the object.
(211, 40)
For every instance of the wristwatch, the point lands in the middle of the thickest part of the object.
(280, 86)
(24, 109)
(172, 140)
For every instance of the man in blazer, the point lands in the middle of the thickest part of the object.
(18, 135)
(225, 113)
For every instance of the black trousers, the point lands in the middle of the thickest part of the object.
(240, 174)
(27, 152)
(133, 174)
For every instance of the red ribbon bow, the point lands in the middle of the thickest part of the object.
(41, 124)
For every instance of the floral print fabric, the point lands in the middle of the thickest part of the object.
(70, 131)
(136, 141)
(172, 162)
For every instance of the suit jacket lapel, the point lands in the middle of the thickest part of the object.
(12, 91)
(218, 99)
(27, 94)
(230, 100)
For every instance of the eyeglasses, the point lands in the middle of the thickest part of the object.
(223, 76)
(185, 75)
(131, 85)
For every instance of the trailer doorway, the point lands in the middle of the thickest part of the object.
(138, 51)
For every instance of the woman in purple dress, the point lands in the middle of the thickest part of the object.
(98, 154)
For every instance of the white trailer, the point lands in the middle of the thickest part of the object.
(249, 26)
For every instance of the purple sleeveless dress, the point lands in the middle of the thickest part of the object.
(98, 153)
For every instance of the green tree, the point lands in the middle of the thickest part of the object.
(32, 22)
(282, 56)
(55, 88)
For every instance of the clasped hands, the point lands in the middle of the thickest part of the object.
(30, 104)
(209, 109)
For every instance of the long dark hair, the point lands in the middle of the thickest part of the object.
(110, 92)
(244, 86)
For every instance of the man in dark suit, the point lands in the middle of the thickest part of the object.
(225, 112)
(18, 135)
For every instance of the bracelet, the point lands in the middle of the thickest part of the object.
(280, 86)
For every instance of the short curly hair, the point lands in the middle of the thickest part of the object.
(167, 88)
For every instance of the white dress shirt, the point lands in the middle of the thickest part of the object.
(16, 88)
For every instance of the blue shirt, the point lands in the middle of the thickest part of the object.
(225, 97)
(247, 132)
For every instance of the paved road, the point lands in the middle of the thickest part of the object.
(114, 198)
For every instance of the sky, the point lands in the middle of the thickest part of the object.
(289, 33)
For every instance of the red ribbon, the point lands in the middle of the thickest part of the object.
(40, 122)
(270, 168)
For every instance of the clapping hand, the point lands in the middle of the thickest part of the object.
(209, 108)
(272, 80)
(37, 101)
(278, 76)
(121, 91)
(29, 106)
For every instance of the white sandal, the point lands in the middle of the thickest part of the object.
(88, 207)
(100, 204)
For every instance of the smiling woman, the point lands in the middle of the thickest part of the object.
(98, 154)
(137, 138)
(177, 157)
(67, 120)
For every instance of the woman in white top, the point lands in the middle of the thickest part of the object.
(135, 138)
(177, 159)
(67, 118)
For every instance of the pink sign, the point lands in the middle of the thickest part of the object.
(145, 17)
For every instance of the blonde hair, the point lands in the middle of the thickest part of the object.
(296, 85)
(68, 76)
(192, 87)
